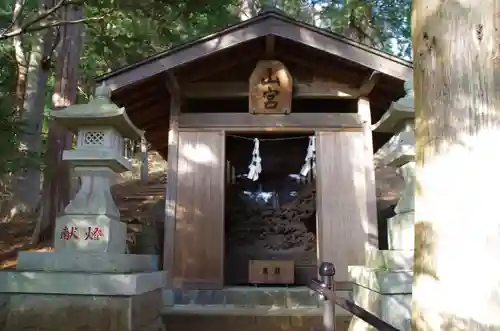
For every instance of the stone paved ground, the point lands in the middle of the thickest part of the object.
(249, 323)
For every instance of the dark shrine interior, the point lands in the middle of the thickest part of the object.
(265, 219)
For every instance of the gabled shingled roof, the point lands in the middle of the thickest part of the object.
(269, 23)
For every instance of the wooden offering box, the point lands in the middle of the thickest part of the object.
(271, 272)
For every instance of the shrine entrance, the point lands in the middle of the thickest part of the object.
(266, 75)
(270, 208)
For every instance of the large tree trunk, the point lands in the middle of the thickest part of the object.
(56, 186)
(457, 103)
(247, 9)
(21, 59)
(8, 184)
(28, 187)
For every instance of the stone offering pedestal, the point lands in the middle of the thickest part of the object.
(88, 282)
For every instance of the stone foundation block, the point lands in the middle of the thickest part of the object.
(64, 261)
(34, 312)
(4, 310)
(66, 283)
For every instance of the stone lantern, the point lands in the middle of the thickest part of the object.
(91, 222)
(89, 282)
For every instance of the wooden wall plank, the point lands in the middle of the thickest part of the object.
(341, 200)
(199, 233)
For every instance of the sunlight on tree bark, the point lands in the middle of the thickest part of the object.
(457, 232)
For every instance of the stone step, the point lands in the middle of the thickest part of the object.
(181, 322)
(247, 300)
(222, 310)
(394, 309)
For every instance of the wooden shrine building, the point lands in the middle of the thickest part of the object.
(268, 75)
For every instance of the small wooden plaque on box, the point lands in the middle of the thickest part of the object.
(271, 272)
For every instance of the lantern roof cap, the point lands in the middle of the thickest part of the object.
(98, 112)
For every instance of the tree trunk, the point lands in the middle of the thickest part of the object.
(33, 114)
(56, 186)
(248, 9)
(7, 203)
(21, 60)
(457, 103)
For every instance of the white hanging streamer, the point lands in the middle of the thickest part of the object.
(255, 167)
(310, 160)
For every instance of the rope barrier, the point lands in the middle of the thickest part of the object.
(268, 139)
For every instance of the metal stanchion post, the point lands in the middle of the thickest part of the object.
(327, 273)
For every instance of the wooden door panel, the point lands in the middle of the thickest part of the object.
(199, 233)
(341, 199)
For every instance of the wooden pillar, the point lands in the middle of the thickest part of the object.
(171, 186)
(364, 112)
(144, 161)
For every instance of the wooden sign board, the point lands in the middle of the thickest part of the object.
(270, 89)
(271, 272)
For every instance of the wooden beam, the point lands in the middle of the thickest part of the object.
(171, 186)
(261, 27)
(317, 89)
(133, 96)
(270, 45)
(208, 68)
(146, 103)
(246, 121)
(344, 89)
(155, 113)
(369, 83)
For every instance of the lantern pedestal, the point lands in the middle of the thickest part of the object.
(92, 221)
(88, 282)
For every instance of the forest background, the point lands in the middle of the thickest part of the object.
(50, 51)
